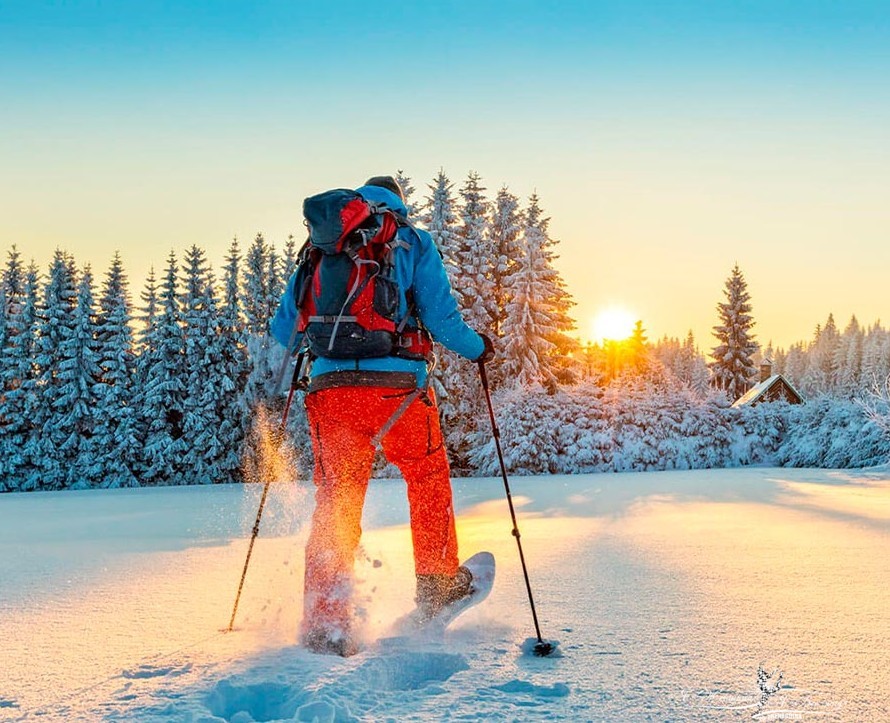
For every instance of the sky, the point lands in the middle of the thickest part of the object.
(667, 141)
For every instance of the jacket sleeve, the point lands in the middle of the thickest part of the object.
(436, 305)
(285, 319)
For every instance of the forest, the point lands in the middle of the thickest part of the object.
(184, 386)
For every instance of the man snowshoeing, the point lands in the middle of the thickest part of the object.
(358, 399)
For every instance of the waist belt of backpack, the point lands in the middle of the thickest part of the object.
(363, 378)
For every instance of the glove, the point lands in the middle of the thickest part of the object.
(488, 352)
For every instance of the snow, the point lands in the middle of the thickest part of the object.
(670, 593)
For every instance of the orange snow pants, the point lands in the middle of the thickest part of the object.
(342, 422)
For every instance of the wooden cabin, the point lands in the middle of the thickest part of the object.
(771, 388)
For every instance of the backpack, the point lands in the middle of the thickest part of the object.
(347, 295)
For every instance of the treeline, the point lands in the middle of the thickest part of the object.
(179, 389)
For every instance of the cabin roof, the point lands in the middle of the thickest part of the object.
(758, 390)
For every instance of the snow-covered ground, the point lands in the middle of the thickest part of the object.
(667, 592)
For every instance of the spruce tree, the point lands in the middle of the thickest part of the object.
(506, 224)
(848, 361)
(18, 375)
(440, 220)
(529, 321)
(233, 349)
(537, 348)
(162, 391)
(148, 311)
(288, 260)
(557, 359)
(205, 367)
(821, 358)
(79, 375)
(117, 433)
(733, 365)
(407, 191)
(55, 331)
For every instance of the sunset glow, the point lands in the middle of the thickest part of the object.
(614, 323)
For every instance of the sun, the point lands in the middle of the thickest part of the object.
(614, 323)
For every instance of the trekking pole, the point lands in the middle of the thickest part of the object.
(542, 648)
(296, 383)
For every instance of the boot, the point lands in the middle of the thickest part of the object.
(434, 592)
(326, 642)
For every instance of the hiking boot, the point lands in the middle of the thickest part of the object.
(326, 642)
(435, 592)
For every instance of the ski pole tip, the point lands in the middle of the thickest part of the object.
(541, 648)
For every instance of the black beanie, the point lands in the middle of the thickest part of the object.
(387, 182)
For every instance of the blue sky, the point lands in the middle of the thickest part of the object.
(667, 140)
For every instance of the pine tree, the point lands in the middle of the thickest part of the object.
(205, 378)
(473, 258)
(538, 348)
(848, 361)
(819, 374)
(18, 376)
(162, 391)
(117, 434)
(470, 259)
(233, 349)
(506, 224)
(55, 330)
(440, 220)
(288, 260)
(733, 366)
(529, 320)
(149, 311)
(255, 294)
(407, 191)
(79, 375)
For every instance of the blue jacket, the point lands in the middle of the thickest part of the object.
(419, 267)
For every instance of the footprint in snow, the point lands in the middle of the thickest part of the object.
(557, 690)
(151, 671)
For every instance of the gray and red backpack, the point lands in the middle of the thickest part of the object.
(347, 295)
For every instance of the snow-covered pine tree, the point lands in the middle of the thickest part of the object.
(529, 320)
(288, 259)
(55, 330)
(638, 348)
(260, 295)
(407, 191)
(558, 359)
(440, 220)
(117, 432)
(506, 225)
(13, 279)
(205, 374)
(233, 349)
(162, 390)
(847, 380)
(148, 313)
(79, 375)
(471, 257)
(537, 347)
(875, 356)
(255, 293)
(19, 400)
(819, 374)
(733, 366)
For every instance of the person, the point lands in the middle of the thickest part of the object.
(354, 404)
